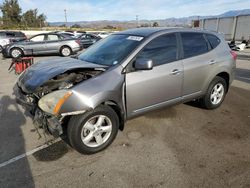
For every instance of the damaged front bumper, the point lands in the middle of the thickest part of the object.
(47, 122)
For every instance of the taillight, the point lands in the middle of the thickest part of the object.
(78, 42)
(234, 55)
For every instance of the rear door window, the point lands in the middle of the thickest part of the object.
(194, 44)
(213, 40)
(53, 37)
(161, 50)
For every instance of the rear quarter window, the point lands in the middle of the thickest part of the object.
(194, 44)
(213, 40)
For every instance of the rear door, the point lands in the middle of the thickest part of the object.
(53, 43)
(150, 89)
(87, 40)
(198, 62)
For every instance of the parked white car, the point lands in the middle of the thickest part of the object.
(103, 35)
(6, 37)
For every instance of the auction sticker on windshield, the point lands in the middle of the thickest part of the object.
(136, 38)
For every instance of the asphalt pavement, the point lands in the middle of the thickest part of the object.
(181, 146)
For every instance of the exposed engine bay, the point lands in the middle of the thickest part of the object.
(65, 80)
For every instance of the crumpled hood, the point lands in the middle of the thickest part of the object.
(39, 73)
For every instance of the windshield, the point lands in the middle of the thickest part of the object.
(111, 50)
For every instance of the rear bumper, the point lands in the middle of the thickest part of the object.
(76, 49)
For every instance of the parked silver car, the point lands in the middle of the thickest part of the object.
(46, 43)
(122, 76)
(7, 37)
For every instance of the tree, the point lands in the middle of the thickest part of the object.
(11, 14)
(145, 25)
(63, 25)
(109, 27)
(42, 20)
(76, 26)
(31, 19)
(155, 24)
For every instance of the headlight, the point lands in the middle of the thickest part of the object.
(52, 102)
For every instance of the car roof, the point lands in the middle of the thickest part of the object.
(145, 32)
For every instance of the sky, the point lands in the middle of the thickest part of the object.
(90, 10)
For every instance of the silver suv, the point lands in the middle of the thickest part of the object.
(127, 74)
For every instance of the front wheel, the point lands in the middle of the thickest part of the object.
(93, 131)
(16, 52)
(215, 94)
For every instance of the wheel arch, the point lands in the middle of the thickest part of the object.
(225, 76)
(65, 45)
(16, 47)
(117, 110)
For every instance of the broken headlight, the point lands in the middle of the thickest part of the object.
(52, 102)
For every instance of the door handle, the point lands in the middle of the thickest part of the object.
(212, 62)
(176, 71)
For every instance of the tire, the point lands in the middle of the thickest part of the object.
(1, 49)
(16, 52)
(83, 132)
(65, 51)
(215, 94)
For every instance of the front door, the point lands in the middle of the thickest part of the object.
(36, 45)
(150, 89)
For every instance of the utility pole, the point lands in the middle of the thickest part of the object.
(137, 20)
(66, 20)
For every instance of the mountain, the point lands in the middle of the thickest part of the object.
(170, 22)
(233, 13)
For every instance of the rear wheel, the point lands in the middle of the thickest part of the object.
(1, 49)
(65, 51)
(93, 131)
(215, 94)
(16, 52)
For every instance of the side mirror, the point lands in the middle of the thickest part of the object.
(143, 64)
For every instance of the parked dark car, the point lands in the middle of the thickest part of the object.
(7, 37)
(88, 39)
(123, 76)
(46, 43)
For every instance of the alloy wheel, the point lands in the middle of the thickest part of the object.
(96, 131)
(217, 94)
